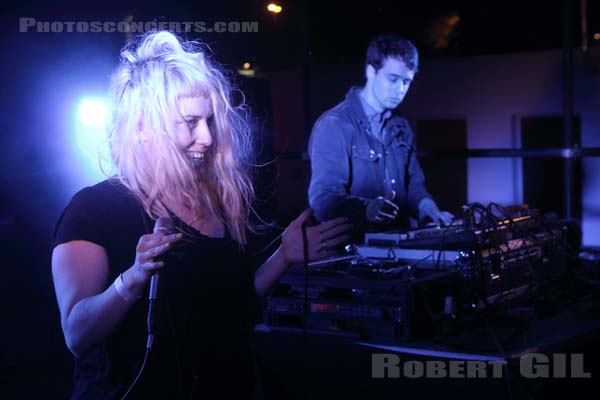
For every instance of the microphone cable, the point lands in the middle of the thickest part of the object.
(305, 308)
(166, 224)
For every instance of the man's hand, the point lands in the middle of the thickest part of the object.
(382, 209)
(428, 208)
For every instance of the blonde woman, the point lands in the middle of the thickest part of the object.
(181, 149)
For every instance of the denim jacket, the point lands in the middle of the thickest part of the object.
(350, 166)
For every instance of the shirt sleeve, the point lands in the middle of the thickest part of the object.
(82, 219)
(328, 193)
(416, 178)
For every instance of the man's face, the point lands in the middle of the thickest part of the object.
(390, 83)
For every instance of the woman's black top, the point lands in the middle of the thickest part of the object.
(206, 300)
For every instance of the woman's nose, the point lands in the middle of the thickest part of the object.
(202, 134)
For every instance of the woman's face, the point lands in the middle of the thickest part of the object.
(193, 127)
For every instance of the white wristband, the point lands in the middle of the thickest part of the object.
(123, 291)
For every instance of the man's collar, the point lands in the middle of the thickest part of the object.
(371, 113)
(355, 101)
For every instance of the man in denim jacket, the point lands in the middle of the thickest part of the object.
(364, 163)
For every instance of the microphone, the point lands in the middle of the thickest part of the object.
(165, 225)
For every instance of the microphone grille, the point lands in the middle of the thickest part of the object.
(165, 224)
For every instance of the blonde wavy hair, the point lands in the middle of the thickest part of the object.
(156, 71)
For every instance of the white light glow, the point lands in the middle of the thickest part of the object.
(89, 138)
(93, 112)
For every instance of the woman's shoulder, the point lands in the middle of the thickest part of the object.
(108, 194)
(107, 188)
(94, 211)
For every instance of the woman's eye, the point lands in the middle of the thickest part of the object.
(191, 122)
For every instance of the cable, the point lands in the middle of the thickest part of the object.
(266, 247)
(501, 349)
(481, 315)
(437, 263)
(150, 334)
(305, 306)
(139, 373)
(305, 259)
(508, 252)
(515, 229)
(559, 242)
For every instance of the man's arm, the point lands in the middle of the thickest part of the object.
(420, 202)
(330, 155)
(416, 184)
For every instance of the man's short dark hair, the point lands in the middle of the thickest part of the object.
(386, 46)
